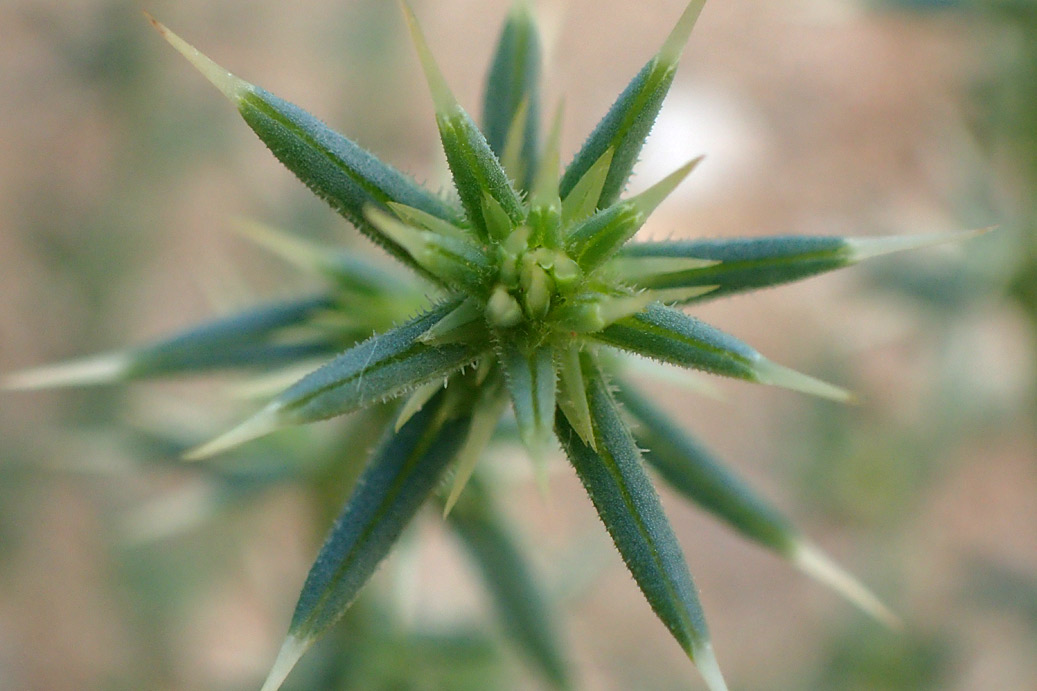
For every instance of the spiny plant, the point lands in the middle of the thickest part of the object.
(537, 293)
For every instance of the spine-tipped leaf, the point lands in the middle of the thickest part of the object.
(530, 380)
(377, 369)
(600, 236)
(629, 507)
(627, 124)
(516, 595)
(669, 335)
(513, 84)
(334, 167)
(475, 168)
(403, 472)
(238, 341)
(740, 264)
(693, 471)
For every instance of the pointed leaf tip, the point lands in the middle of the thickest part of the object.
(442, 96)
(233, 87)
(100, 369)
(866, 248)
(262, 423)
(772, 373)
(291, 651)
(651, 198)
(816, 564)
(706, 662)
(671, 51)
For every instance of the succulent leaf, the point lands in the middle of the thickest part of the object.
(530, 380)
(237, 341)
(740, 264)
(625, 127)
(519, 601)
(345, 269)
(629, 507)
(691, 470)
(403, 472)
(599, 237)
(375, 370)
(485, 416)
(667, 334)
(512, 92)
(335, 168)
(475, 168)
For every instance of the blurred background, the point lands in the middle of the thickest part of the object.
(121, 174)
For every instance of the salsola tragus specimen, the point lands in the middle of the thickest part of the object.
(538, 291)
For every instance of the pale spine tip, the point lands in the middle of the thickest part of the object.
(866, 248)
(100, 369)
(647, 201)
(292, 649)
(233, 87)
(671, 51)
(706, 663)
(771, 373)
(545, 186)
(292, 249)
(442, 96)
(816, 564)
(262, 423)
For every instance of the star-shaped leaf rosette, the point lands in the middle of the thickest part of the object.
(538, 291)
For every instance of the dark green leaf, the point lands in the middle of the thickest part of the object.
(516, 594)
(741, 263)
(514, 79)
(629, 507)
(375, 370)
(530, 380)
(693, 471)
(667, 334)
(627, 124)
(238, 341)
(402, 473)
(346, 176)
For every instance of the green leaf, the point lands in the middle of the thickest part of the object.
(581, 201)
(599, 237)
(475, 168)
(404, 470)
(485, 416)
(695, 473)
(514, 80)
(515, 593)
(627, 124)
(690, 469)
(572, 394)
(530, 380)
(667, 334)
(375, 370)
(343, 267)
(334, 167)
(741, 264)
(236, 341)
(629, 507)
(454, 261)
